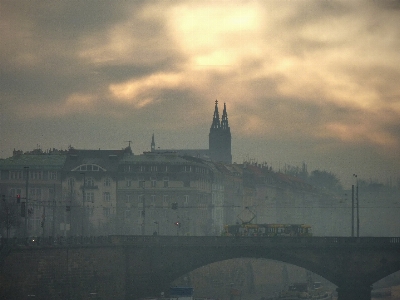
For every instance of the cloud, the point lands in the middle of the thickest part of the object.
(319, 73)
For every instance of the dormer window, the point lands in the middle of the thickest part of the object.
(89, 167)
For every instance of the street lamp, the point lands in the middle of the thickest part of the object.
(144, 210)
(83, 201)
(158, 227)
(26, 201)
(357, 207)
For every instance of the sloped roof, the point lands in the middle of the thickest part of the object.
(107, 159)
(159, 158)
(42, 161)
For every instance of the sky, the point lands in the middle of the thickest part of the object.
(304, 81)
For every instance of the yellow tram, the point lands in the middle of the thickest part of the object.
(268, 230)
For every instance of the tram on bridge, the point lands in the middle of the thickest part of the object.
(268, 230)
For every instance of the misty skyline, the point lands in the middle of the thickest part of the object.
(304, 81)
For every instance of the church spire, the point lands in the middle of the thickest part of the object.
(153, 144)
(224, 121)
(216, 123)
(219, 138)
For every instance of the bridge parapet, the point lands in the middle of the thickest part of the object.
(200, 241)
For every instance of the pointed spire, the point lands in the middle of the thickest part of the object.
(224, 121)
(153, 144)
(216, 123)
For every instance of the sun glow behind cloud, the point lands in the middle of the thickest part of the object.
(216, 34)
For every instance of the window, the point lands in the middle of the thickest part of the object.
(153, 200)
(153, 182)
(15, 192)
(89, 197)
(166, 182)
(186, 201)
(127, 198)
(141, 214)
(141, 183)
(128, 168)
(35, 175)
(15, 175)
(89, 182)
(89, 167)
(71, 182)
(106, 211)
(35, 194)
(107, 181)
(165, 201)
(142, 168)
(106, 197)
(51, 194)
(127, 214)
(140, 200)
(187, 168)
(128, 182)
(52, 175)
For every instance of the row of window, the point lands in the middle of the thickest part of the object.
(37, 194)
(52, 175)
(153, 182)
(134, 168)
(33, 175)
(89, 197)
(165, 200)
(89, 182)
(34, 193)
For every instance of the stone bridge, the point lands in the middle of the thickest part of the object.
(131, 267)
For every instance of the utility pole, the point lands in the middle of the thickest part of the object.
(352, 210)
(144, 210)
(26, 213)
(358, 211)
(83, 201)
(357, 206)
(43, 219)
(54, 212)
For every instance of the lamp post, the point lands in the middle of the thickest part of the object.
(144, 210)
(26, 201)
(352, 210)
(83, 201)
(158, 227)
(357, 207)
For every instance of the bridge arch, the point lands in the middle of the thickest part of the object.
(137, 265)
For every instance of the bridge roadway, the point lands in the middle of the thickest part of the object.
(131, 267)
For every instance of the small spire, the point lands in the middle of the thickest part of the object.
(153, 144)
(224, 121)
(216, 123)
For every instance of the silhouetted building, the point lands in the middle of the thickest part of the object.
(219, 139)
(219, 148)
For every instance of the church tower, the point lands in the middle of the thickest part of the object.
(219, 139)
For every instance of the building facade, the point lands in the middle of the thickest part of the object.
(31, 189)
(164, 193)
(89, 191)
